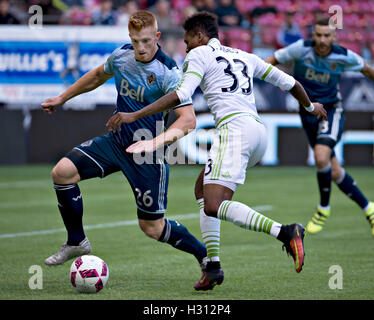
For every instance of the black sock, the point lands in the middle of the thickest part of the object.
(179, 237)
(349, 187)
(213, 265)
(283, 236)
(70, 205)
(324, 185)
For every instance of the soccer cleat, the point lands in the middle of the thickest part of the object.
(293, 239)
(318, 221)
(67, 252)
(370, 216)
(212, 275)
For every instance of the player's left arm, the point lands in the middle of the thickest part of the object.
(185, 123)
(182, 94)
(368, 71)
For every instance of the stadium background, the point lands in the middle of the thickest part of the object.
(78, 35)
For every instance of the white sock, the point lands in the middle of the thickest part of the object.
(210, 231)
(247, 218)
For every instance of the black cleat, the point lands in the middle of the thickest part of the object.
(292, 237)
(212, 275)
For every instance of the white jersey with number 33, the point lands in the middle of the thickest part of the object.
(225, 76)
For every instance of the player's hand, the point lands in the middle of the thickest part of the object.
(319, 110)
(142, 146)
(50, 104)
(115, 121)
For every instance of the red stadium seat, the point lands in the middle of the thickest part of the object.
(355, 46)
(267, 19)
(245, 6)
(365, 6)
(311, 5)
(238, 34)
(242, 45)
(180, 4)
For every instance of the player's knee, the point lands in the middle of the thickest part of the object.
(151, 233)
(322, 160)
(151, 230)
(336, 173)
(64, 173)
(211, 209)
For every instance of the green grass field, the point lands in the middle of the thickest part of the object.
(141, 268)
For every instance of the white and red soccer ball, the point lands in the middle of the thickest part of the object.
(89, 274)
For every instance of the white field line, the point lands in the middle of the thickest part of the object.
(26, 184)
(112, 224)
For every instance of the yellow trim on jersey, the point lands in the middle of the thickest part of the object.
(223, 141)
(227, 117)
(234, 114)
(195, 73)
(266, 72)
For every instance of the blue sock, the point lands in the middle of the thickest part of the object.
(349, 187)
(179, 237)
(324, 184)
(70, 205)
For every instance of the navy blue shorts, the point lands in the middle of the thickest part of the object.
(103, 155)
(324, 132)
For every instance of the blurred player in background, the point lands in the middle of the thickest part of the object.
(225, 76)
(143, 73)
(318, 64)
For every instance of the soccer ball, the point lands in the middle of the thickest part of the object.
(89, 274)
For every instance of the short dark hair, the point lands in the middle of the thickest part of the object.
(204, 22)
(323, 21)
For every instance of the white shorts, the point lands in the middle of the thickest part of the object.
(237, 144)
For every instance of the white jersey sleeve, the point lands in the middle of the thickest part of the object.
(194, 69)
(271, 74)
(171, 83)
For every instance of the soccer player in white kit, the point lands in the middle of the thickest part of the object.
(225, 76)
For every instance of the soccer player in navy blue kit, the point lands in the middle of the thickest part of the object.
(318, 64)
(143, 73)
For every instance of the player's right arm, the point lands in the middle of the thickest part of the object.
(277, 77)
(88, 82)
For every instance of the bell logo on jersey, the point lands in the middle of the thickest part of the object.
(310, 74)
(137, 94)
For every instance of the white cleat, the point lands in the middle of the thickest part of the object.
(67, 252)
